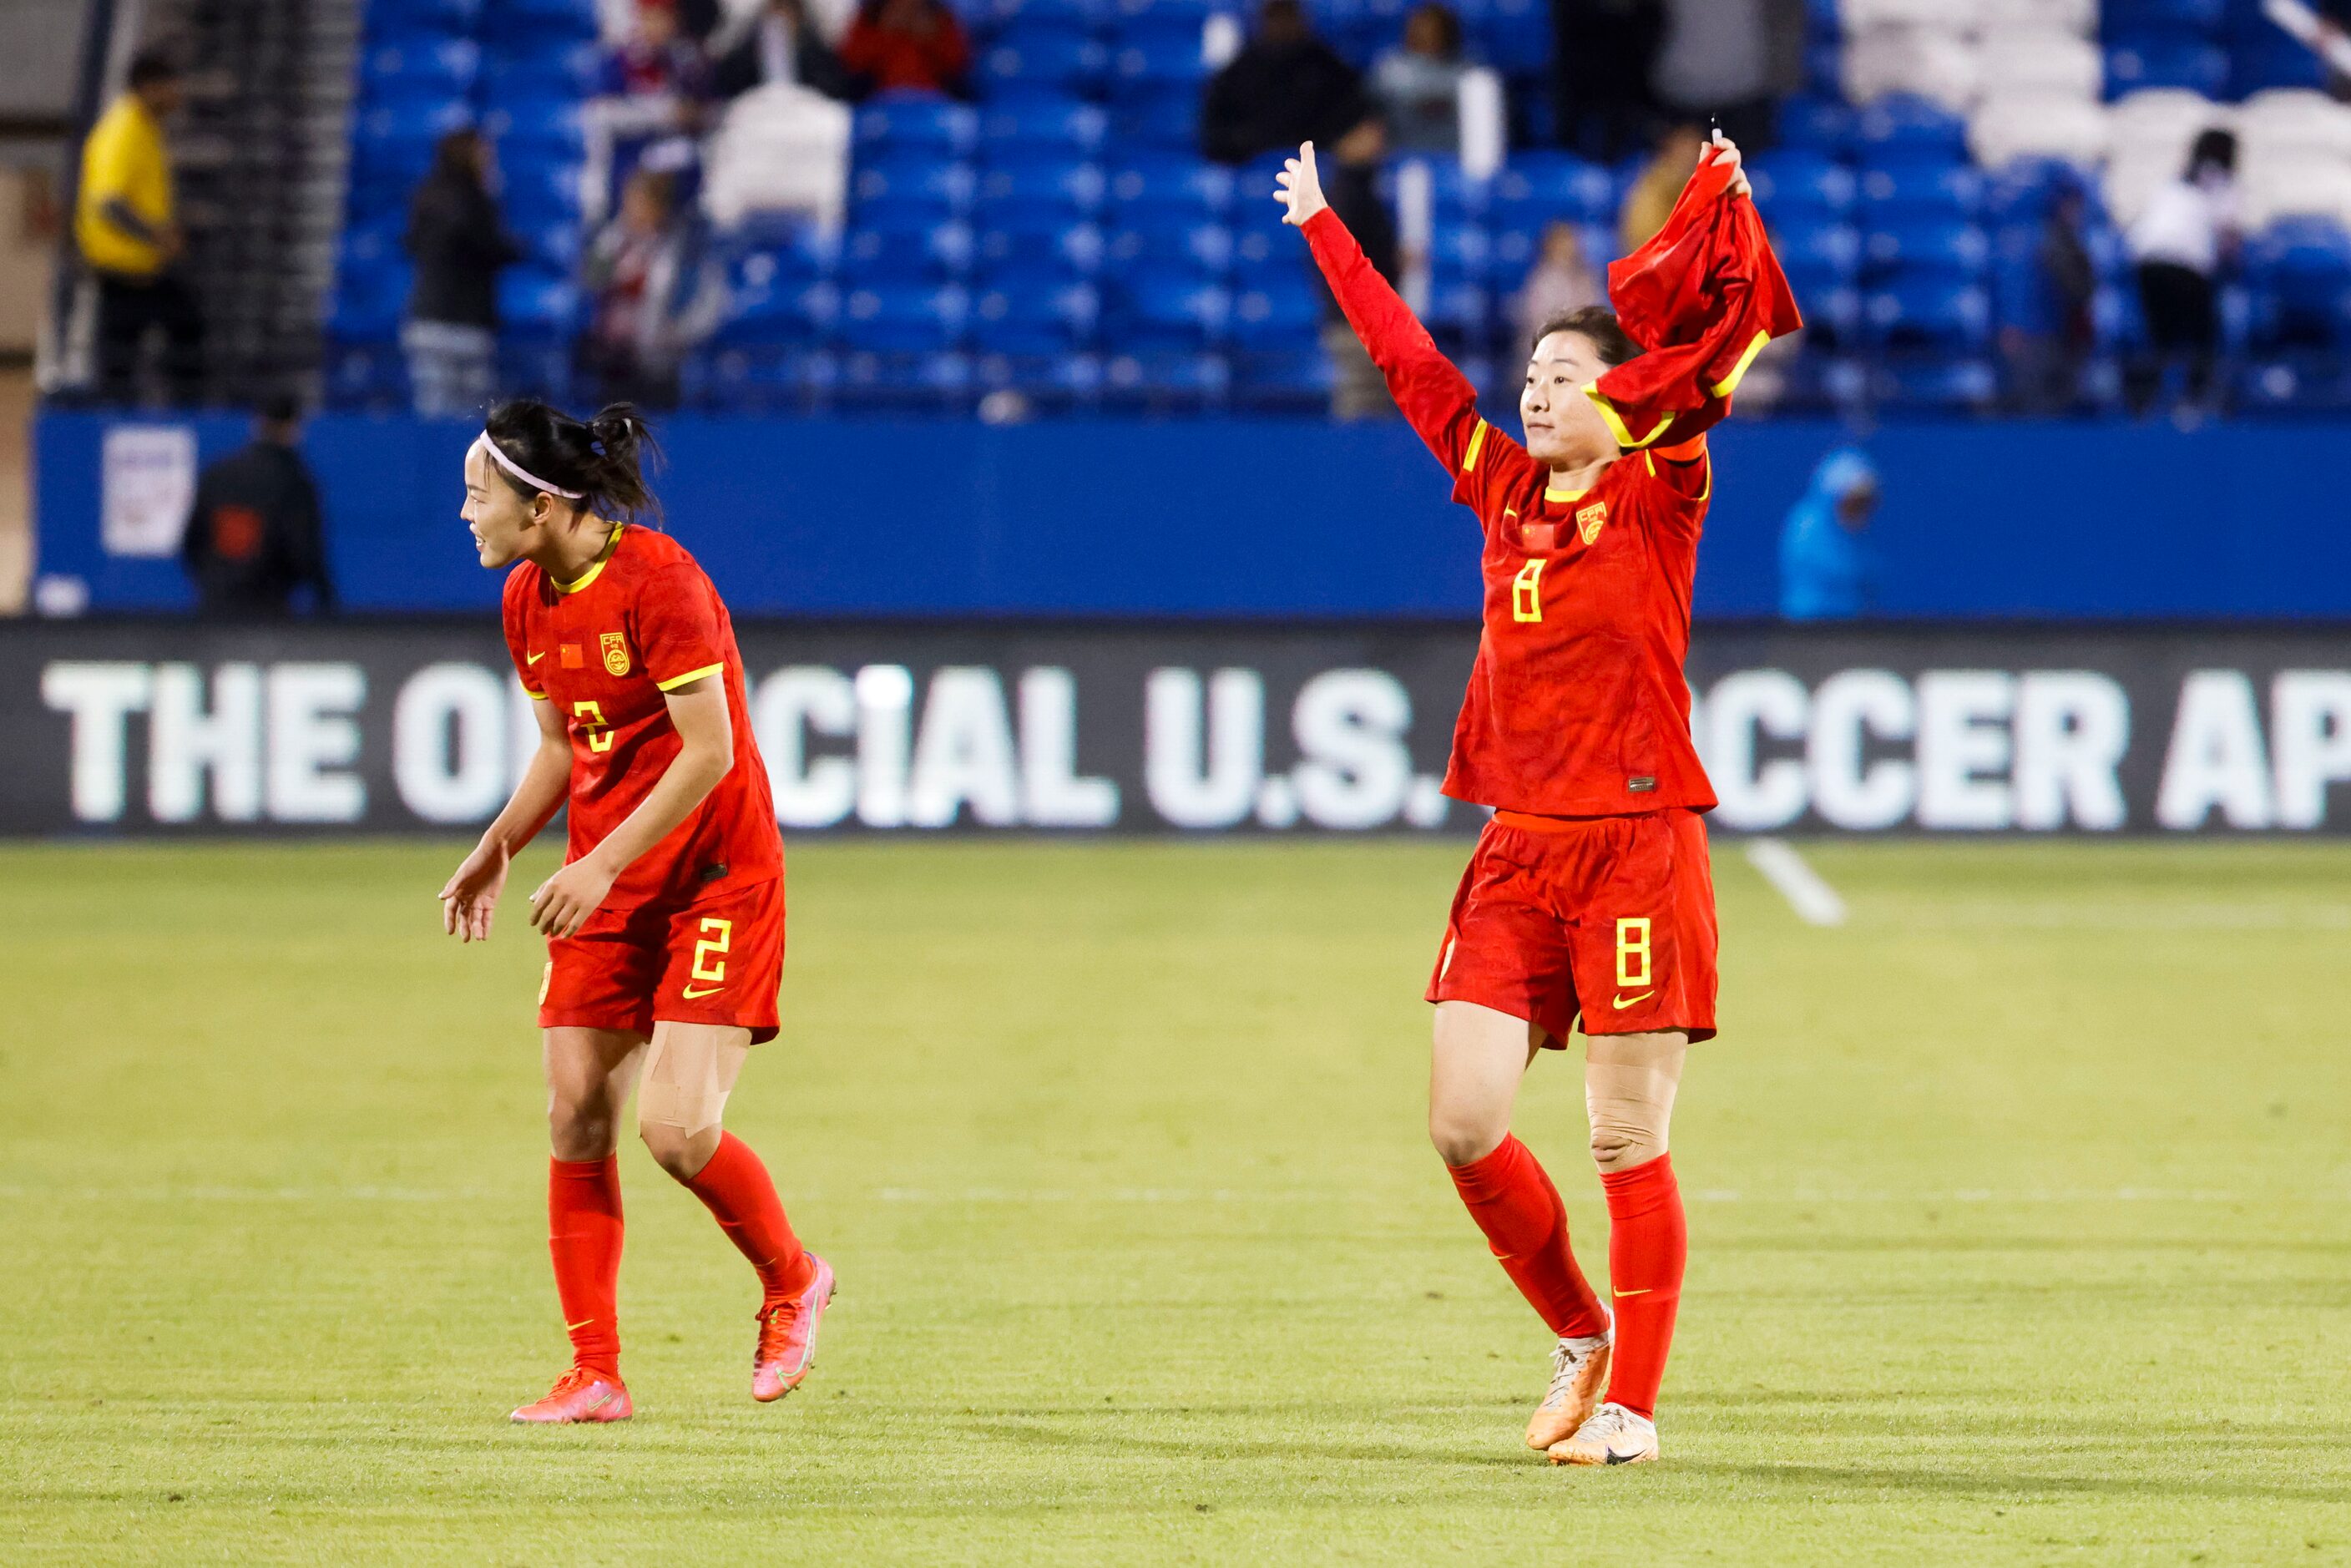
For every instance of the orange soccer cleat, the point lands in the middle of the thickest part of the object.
(788, 1337)
(579, 1394)
(1579, 1368)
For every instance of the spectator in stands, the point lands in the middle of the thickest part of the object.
(656, 79)
(2048, 345)
(458, 244)
(255, 535)
(781, 45)
(1418, 85)
(1351, 185)
(655, 294)
(2187, 230)
(1602, 52)
(1651, 199)
(1730, 62)
(126, 225)
(908, 45)
(1827, 570)
(1561, 283)
(1286, 85)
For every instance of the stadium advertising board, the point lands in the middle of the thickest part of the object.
(153, 726)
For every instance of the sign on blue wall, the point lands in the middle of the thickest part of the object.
(1268, 519)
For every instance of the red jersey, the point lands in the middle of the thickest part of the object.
(639, 622)
(1577, 705)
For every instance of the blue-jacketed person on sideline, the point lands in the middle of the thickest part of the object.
(1827, 569)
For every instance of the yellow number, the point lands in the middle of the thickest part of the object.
(598, 733)
(1633, 953)
(712, 949)
(1526, 592)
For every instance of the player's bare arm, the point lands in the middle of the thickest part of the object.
(706, 751)
(469, 899)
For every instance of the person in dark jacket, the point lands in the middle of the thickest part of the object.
(782, 46)
(255, 534)
(459, 243)
(1358, 391)
(1285, 86)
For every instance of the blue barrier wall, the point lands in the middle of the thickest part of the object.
(1280, 518)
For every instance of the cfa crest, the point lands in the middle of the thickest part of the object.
(616, 654)
(1591, 519)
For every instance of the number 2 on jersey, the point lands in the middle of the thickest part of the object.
(1526, 592)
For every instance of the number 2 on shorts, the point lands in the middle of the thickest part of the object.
(710, 953)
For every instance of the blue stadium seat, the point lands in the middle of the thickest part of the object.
(527, 20)
(1516, 244)
(1034, 182)
(537, 304)
(906, 377)
(1898, 188)
(1900, 125)
(1054, 62)
(795, 258)
(1171, 181)
(904, 318)
(1554, 185)
(938, 252)
(392, 144)
(1157, 59)
(1024, 319)
(1152, 311)
(1067, 126)
(1206, 248)
(1453, 193)
(1930, 312)
(421, 66)
(2275, 60)
(1818, 254)
(915, 125)
(555, 245)
(1822, 124)
(1951, 385)
(912, 183)
(2299, 270)
(1072, 16)
(2166, 59)
(1944, 247)
(1461, 307)
(1800, 179)
(1292, 379)
(540, 190)
(556, 70)
(1073, 248)
(2022, 189)
(1167, 118)
(1162, 379)
(389, 20)
(2118, 17)
(542, 128)
(1460, 250)
(780, 309)
(1513, 35)
(1124, 15)
(1276, 308)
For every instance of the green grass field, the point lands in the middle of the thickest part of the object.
(2021, 1213)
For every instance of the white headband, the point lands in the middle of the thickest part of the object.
(484, 442)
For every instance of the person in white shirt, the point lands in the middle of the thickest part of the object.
(2178, 245)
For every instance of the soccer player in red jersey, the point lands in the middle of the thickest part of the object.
(1589, 892)
(666, 926)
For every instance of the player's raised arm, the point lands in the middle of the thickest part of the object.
(1434, 395)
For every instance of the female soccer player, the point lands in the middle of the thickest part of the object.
(1589, 892)
(666, 926)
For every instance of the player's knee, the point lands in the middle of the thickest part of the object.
(1619, 1146)
(1462, 1140)
(578, 1131)
(680, 1152)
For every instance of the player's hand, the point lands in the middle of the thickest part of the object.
(1299, 188)
(1723, 150)
(470, 897)
(565, 901)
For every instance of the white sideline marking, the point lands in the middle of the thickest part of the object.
(1813, 900)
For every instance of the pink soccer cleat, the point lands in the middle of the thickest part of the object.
(578, 1395)
(788, 1337)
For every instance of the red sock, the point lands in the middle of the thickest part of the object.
(736, 1188)
(583, 1235)
(1515, 1205)
(1647, 1246)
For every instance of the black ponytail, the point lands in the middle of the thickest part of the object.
(603, 458)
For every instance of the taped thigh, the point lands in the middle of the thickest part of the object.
(1629, 1096)
(686, 1083)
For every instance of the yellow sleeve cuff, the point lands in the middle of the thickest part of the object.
(675, 682)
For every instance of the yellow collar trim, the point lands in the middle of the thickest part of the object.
(1564, 495)
(593, 572)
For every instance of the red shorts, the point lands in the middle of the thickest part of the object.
(719, 961)
(1609, 916)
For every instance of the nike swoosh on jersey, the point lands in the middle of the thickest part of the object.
(533, 658)
(1624, 1002)
(689, 993)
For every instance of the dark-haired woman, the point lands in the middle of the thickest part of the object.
(1589, 894)
(2177, 246)
(459, 245)
(666, 926)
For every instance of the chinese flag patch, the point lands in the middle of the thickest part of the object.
(568, 656)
